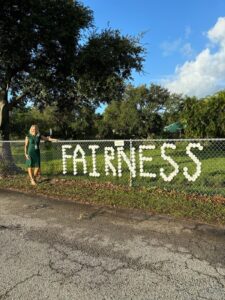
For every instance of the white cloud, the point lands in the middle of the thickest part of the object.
(170, 47)
(206, 73)
(187, 50)
(217, 33)
(179, 45)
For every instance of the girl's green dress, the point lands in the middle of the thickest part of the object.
(33, 151)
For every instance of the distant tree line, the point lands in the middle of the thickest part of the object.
(142, 112)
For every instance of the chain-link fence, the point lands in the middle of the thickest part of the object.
(194, 165)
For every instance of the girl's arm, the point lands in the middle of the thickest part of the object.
(25, 147)
(48, 138)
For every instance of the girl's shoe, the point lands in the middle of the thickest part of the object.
(33, 182)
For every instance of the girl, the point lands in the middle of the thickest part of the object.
(32, 152)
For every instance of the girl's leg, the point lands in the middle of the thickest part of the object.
(30, 173)
(37, 172)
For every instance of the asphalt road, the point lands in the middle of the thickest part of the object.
(53, 249)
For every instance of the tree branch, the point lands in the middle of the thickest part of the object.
(16, 101)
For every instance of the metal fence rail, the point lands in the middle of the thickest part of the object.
(190, 165)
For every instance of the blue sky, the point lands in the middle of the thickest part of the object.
(185, 40)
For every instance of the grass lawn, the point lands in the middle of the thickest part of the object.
(209, 209)
(202, 200)
(210, 182)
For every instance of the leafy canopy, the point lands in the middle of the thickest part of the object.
(50, 53)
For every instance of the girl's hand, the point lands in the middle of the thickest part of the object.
(52, 140)
(27, 156)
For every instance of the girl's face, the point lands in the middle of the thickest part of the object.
(33, 130)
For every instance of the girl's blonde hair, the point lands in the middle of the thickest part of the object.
(36, 128)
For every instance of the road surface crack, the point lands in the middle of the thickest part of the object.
(6, 294)
(10, 227)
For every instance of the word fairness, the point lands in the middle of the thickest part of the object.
(110, 154)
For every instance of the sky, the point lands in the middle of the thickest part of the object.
(184, 40)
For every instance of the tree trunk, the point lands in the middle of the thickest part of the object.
(7, 165)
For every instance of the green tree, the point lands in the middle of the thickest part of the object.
(216, 115)
(109, 125)
(172, 109)
(69, 125)
(47, 57)
(151, 104)
(204, 118)
(140, 113)
(192, 116)
(75, 124)
(23, 118)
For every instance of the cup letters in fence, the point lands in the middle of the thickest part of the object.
(114, 157)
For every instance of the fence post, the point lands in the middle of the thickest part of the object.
(131, 179)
